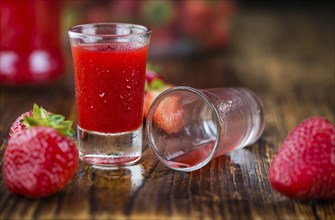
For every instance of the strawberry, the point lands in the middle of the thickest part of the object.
(304, 167)
(37, 113)
(169, 115)
(151, 95)
(41, 159)
(150, 75)
(154, 85)
(148, 100)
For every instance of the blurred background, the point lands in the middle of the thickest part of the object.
(35, 46)
(179, 27)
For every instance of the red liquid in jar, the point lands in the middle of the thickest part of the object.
(109, 83)
(30, 48)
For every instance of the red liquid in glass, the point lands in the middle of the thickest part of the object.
(193, 157)
(30, 47)
(109, 81)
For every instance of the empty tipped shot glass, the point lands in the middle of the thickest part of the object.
(109, 71)
(187, 127)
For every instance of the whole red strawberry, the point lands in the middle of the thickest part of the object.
(304, 167)
(40, 159)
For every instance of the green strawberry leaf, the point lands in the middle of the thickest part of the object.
(30, 121)
(36, 111)
(42, 117)
(157, 84)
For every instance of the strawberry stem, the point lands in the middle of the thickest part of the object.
(42, 117)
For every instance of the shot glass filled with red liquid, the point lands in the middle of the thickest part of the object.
(187, 127)
(109, 70)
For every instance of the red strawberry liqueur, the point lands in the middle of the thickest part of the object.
(109, 87)
(110, 63)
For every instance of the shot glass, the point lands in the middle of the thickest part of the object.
(187, 127)
(109, 71)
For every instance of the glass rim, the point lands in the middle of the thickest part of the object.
(152, 145)
(74, 30)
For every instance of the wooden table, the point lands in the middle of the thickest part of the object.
(286, 57)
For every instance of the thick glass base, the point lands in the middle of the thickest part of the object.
(109, 149)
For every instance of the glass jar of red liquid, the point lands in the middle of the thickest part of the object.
(30, 47)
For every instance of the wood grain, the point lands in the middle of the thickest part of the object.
(286, 57)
